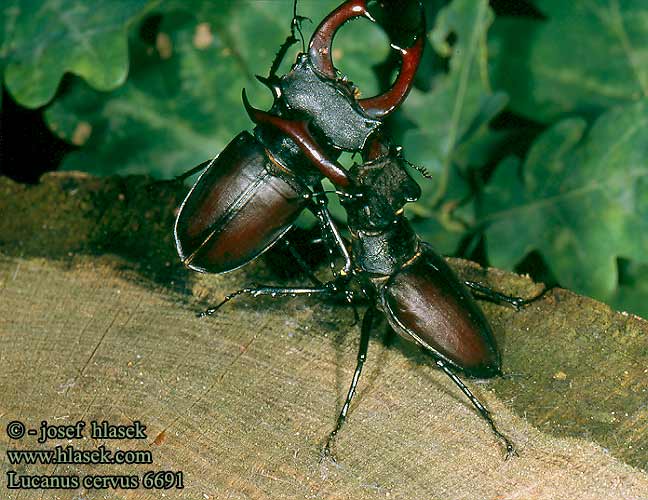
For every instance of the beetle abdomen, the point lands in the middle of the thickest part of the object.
(236, 210)
(426, 302)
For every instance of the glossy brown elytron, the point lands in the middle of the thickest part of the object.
(236, 210)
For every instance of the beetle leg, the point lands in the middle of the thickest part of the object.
(367, 321)
(327, 224)
(321, 219)
(494, 296)
(350, 298)
(327, 289)
(318, 205)
(302, 264)
(198, 168)
(180, 178)
(510, 449)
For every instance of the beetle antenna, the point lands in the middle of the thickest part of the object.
(510, 449)
(420, 169)
(296, 25)
(423, 171)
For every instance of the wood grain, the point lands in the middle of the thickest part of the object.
(242, 402)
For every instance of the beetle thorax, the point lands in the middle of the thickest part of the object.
(381, 188)
(329, 104)
(384, 252)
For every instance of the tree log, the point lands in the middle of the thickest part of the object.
(97, 322)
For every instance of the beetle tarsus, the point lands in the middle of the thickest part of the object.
(365, 333)
(212, 310)
(489, 294)
(483, 411)
(511, 451)
(273, 291)
(326, 453)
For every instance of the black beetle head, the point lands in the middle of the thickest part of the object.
(381, 188)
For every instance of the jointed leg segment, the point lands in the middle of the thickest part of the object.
(483, 291)
(367, 322)
(273, 291)
(510, 449)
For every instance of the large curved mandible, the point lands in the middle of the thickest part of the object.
(320, 48)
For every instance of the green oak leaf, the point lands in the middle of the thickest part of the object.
(41, 40)
(581, 200)
(584, 58)
(452, 118)
(182, 102)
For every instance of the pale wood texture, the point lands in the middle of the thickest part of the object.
(242, 402)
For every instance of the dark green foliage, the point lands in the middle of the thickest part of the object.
(160, 92)
(40, 40)
(581, 199)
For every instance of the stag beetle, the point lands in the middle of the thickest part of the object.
(250, 195)
(404, 278)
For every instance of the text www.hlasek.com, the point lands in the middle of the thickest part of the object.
(70, 455)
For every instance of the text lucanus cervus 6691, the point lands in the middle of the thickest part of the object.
(251, 194)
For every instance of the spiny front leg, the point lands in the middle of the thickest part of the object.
(273, 291)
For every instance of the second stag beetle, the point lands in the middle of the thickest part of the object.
(250, 195)
(402, 277)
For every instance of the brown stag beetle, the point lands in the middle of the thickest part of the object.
(389, 267)
(401, 276)
(250, 195)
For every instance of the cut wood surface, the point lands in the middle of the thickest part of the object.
(97, 322)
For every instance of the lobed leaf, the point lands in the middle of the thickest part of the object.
(182, 102)
(41, 40)
(581, 200)
(584, 58)
(452, 118)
